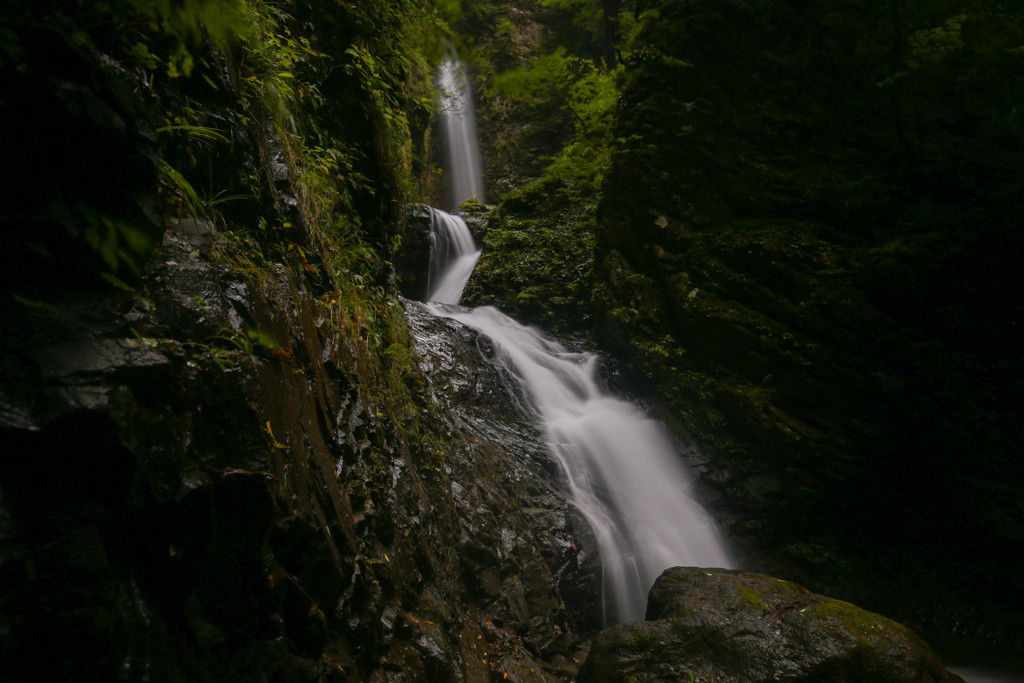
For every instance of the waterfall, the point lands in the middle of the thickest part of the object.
(455, 102)
(619, 466)
(453, 255)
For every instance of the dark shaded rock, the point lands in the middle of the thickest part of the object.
(538, 530)
(537, 258)
(260, 512)
(411, 260)
(795, 254)
(742, 627)
(476, 217)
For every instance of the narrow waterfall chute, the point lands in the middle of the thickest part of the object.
(453, 256)
(463, 170)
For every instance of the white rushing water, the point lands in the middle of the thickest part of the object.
(453, 255)
(620, 467)
(455, 102)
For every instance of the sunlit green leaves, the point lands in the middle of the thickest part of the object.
(584, 89)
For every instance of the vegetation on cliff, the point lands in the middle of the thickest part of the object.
(187, 94)
(803, 236)
(793, 222)
(805, 245)
(549, 92)
(224, 459)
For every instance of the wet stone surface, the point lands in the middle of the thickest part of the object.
(177, 498)
(479, 401)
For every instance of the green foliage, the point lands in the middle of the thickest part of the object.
(538, 251)
(931, 46)
(171, 32)
(587, 14)
(246, 341)
(384, 101)
(588, 92)
(182, 189)
(280, 70)
(122, 244)
(548, 76)
(631, 27)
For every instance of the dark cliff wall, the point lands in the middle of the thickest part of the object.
(224, 456)
(798, 235)
(807, 249)
(804, 252)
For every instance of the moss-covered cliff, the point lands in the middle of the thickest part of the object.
(798, 235)
(224, 458)
(547, 94)
(807, 249)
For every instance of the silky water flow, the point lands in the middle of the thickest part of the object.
(619, 467)
(463, 175)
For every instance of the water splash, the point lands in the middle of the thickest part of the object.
(464, 176)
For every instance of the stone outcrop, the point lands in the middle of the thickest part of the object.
(412, 261)
(213, 483)
(743, 627)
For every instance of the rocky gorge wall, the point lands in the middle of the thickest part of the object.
(806, 251)
(793, 225)
(232, 451)
(225, 456)
(175, 509)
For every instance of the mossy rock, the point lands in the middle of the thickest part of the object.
(727, 625)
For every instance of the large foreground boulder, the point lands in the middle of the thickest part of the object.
(733, 626)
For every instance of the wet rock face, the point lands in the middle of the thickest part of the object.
(178, 498)
(743, 627)
(412, 260)
(507, 461)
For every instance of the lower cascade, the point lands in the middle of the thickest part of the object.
(620, 468)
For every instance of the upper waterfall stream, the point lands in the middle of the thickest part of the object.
(464, 177)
